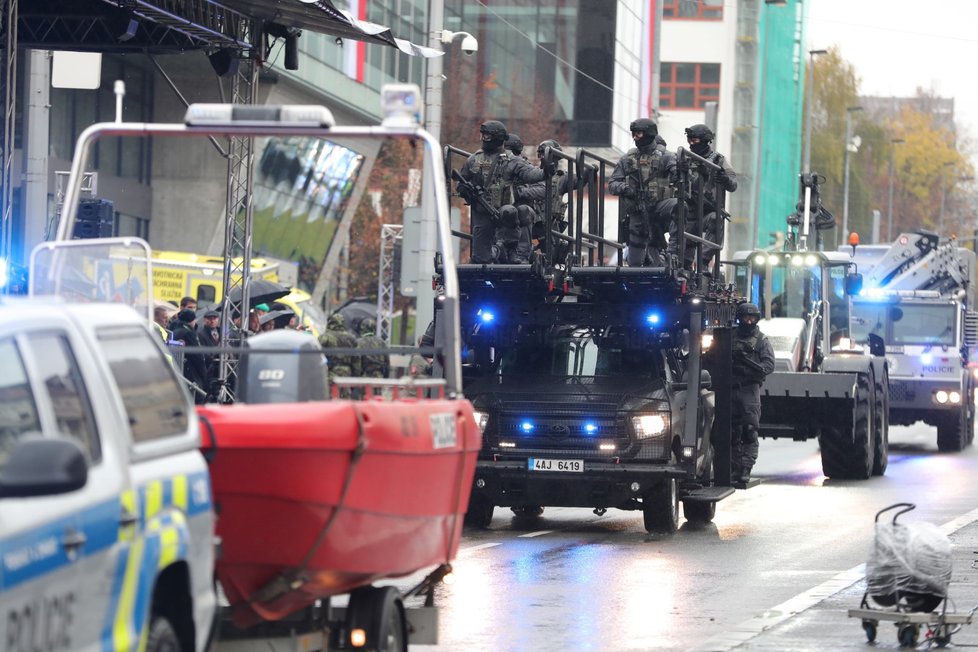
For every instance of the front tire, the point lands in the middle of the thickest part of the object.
(162, 637)
(660, 508)
(881, 452)
(848, 453)
(479, 514)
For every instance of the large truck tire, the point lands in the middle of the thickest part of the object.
(479, 513)
(848, 454)
(881, 425)
(952, 430)
(660, 508)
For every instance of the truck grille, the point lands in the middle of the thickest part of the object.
(901, 391)
(539, 429)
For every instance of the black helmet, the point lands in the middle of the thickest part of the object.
(748, 310)
(701, 132)
(644, 125)
(494, 129)
(552, 144)
(514, 143)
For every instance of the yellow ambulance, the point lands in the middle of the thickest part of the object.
(178, 274)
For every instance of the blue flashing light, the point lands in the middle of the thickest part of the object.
(653, 318)
(926, 358)
(4, 272)
(590, 428)
(527, 427)
(487, 316)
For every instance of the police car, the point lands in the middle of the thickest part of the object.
(106, 517)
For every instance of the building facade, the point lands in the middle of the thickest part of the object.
(737, 67)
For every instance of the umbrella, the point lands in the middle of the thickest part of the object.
(261, 291)
(357, 309)
(281, 318)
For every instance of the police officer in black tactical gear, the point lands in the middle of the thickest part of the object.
(642, 179)
(515, 144)
(535, 195)
(700, 137)
(753, 360)
(495, 170)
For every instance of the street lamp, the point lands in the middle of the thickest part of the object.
(809, 90)
(852, 146)
(889, 211)
(755, 213)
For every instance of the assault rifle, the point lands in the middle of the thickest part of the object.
(474, 194)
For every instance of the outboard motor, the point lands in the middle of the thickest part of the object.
(294, 375)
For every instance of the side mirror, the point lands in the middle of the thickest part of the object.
(854, 284)
(877, 347)
(43, 467)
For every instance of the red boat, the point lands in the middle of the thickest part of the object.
(318, 498)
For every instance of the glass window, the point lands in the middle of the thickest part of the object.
(582, 353)
(62, 379)
(154, 401)
(905, 323)
(686, 73)
(689, 85)
(693, 9)
(18, 412)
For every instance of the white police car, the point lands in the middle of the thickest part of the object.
(106, 518)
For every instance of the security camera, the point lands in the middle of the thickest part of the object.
(470, 45)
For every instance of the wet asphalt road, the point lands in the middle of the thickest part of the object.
(571, 580)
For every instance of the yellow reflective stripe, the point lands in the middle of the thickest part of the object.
(122, 632)
(180, 492)
(154, 498)
(128, 501)
(169, 546)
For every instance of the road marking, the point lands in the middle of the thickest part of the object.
(753, 627)
(481, 546)
(530, 535)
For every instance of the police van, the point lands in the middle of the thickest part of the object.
(106, 516)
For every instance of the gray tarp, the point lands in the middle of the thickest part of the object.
(323, 17)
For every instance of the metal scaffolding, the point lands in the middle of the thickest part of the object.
(9, 83)
(239, 210)
(390, 240)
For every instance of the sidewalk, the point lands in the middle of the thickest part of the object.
(818, 620)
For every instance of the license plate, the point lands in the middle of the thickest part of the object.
(564, 466)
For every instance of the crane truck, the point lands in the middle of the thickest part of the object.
(919, 297)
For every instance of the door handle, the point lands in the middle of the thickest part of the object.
(73, 539)
(128, 518)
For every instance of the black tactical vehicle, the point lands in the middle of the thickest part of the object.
(579, 374)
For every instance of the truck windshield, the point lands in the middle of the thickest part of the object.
(905, 323)
(786, 290)
(579, 353)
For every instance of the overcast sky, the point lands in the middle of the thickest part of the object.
(897, 46)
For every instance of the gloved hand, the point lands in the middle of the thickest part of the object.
(548, 168)
(465, 194)
(682, 165)
(629, 193)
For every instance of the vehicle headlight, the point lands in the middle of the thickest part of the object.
(650, 425)
(481, 419)
(954, 397)
(941, 396)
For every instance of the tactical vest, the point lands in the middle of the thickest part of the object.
(648, 172)
(491, 169)
(557, 205)
(748, 347)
